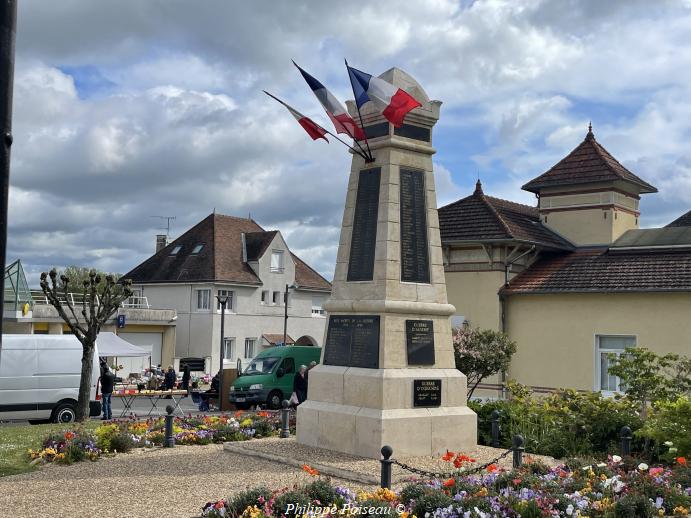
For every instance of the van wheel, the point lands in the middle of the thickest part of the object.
(274, 399)
(64, 413)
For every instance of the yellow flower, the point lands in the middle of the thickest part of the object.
(482, 492)
(681, 511)
(385, 494)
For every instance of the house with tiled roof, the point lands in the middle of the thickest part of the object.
(237, 258)
(573, 278)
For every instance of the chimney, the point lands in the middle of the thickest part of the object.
(161, 242)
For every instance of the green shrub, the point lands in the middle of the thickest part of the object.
(244, 499)
(670, 421)
(412, 492)
(122, 443)
(634, 506)
(429, 501)
(321, 491)
(297, 497)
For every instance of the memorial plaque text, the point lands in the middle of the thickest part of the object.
(419, 336)
(364, 238)
(414, 253)
(426, 393)
(352, 341)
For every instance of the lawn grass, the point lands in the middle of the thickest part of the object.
(16, 439)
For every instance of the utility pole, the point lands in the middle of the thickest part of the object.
(8, 29)
(285, 314)
(223, 301)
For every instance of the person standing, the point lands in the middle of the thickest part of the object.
(300, 384)
(170, 378)
(186, 376)
(107, 383)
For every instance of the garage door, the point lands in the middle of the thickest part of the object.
(150, 342)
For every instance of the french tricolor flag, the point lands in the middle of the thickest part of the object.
(313, 129)
(394, 102)
(342, 121)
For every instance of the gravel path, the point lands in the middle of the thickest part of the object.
(146, 483)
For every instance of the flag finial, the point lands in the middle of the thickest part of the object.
(590, 134)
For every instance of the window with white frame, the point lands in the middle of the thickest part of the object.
(250, 347)
(605, 346)
(203, 299)
(276, 299)
(229, 348)
(265, 296)
(317, 303)
(277, 261)
(230, 305)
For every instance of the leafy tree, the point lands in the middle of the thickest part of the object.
(647, 377)
(79, 274)
(101, 297)
(481, 353)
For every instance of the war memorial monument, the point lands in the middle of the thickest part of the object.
(387, 374)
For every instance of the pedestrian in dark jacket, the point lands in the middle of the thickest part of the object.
(170, 378)
(186, 378)
(107, 383)
(300, 384)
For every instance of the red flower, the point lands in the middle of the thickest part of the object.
(310, 470)
(448, 456)
(492, 468)
(681, 461)
(449, 483)
(516, 481)
(219, 504)
(70, 435)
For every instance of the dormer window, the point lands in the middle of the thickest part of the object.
(197, 249)
(277, 264)
(176, 249)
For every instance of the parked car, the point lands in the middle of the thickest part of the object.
(39, 378)
(268, 379)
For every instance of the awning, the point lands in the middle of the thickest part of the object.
(110, 344)
(276, 339)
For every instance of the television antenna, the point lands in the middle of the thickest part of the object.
(167, 227)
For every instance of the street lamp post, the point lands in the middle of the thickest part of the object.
(223, 301)
(285, 314)
(8, 28)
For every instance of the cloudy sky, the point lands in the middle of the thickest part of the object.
(128, 109)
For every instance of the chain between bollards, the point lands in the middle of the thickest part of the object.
(518, 449)
(626, 437)
(285, 419)
(169, 440)
(386, 464)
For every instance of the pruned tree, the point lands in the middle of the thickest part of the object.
(480, 353)
(99, 301)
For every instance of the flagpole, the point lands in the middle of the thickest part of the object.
(362, 124)
(325, 130)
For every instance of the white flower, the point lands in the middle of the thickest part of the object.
(616, 459)
(668, 443)
(601, 465)
(586, 468)
(569, 510)
(643, 466)
(672, 450)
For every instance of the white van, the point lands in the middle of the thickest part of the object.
(39, 378)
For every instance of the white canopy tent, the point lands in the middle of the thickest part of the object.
(110, 344)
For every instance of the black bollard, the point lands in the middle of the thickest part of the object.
(285, 419)
(626, 437)
(494, 419)
(169, 440)
(518, 450)
(386, 464)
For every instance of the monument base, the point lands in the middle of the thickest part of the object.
(338, 414)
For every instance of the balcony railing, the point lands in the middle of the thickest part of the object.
(76, 299)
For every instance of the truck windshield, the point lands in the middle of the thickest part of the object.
(261, 365)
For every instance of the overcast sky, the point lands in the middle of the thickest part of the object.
(128, 109)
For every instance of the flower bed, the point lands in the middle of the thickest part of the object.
(121, 436)
(613, 489)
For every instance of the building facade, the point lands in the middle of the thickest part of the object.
(233, 257)
(27, 311)
(572, 279)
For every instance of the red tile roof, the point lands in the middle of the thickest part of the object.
(588, 163)
(482, 218)
(603, 270)
(220, 259)
(682, 221)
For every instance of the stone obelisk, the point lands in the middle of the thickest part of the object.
(387, 373)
